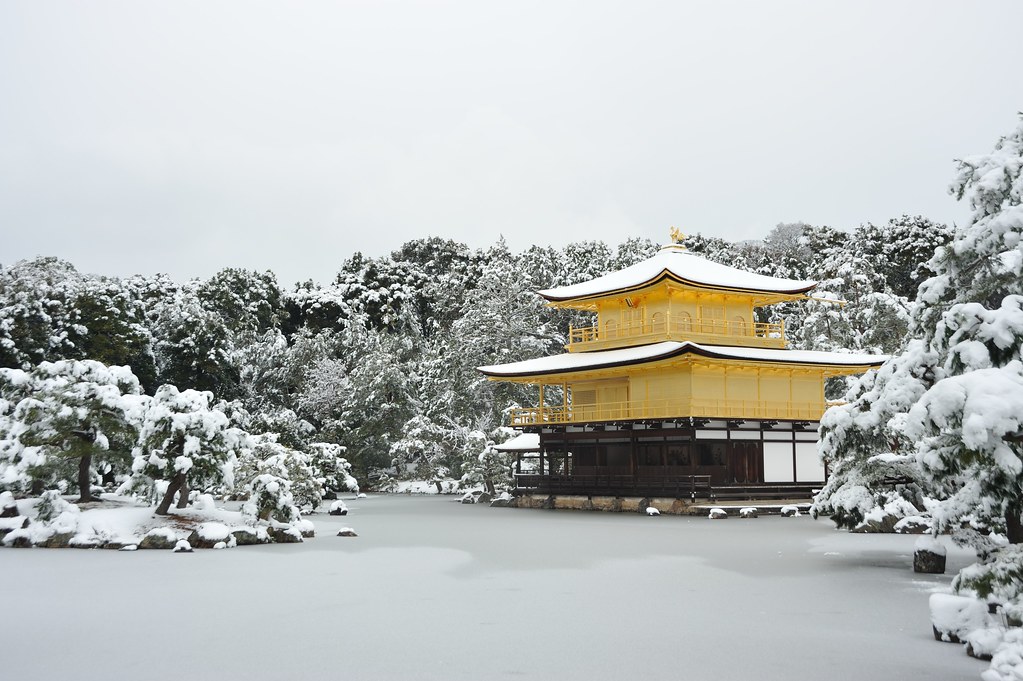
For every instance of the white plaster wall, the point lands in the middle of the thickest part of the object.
(778, 462)
(808, 465)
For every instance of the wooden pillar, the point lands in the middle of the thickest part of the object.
(632, 455)
(541, 419)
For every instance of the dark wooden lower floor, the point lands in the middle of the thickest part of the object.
(691, 458)
(675, 487)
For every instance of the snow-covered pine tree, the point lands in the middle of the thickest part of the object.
(193, 345)
(38, 317)
(331, 468)
(66, 415)
(501, 322)
(950, 406)
(185, 443)
(484, 465)
(290, 467)
(970, 422)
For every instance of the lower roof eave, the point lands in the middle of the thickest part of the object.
(569, 364)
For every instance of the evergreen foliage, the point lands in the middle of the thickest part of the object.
(383, 359)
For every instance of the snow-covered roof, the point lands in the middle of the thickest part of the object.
(523, 442)
(673, 262)
(583, 361)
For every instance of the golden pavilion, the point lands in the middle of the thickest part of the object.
(677, 390)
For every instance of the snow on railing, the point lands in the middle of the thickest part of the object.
(678, 329)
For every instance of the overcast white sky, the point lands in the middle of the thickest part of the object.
(183, 137)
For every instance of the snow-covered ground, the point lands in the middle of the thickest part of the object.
(433, 589)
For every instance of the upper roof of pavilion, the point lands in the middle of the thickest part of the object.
(672, 263)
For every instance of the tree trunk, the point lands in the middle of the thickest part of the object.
(183, 495)
(84, 481)
(175, 484)
(1013, 526)
(491, 490)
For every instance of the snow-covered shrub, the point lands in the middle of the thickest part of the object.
(271, 498)
(51, 505)
(999, 579)
(268, 457)
(330, 468)
(490, 468)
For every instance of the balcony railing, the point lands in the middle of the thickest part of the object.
(666, 409)
(720, 331)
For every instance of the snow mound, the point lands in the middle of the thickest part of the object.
(1007, 661)
(930, 544)
(204, 502)
(953, 617)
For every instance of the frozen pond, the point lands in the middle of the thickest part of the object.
(432, 589)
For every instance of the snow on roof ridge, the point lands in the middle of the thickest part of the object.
(681, 264)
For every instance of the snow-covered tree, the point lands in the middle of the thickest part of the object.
(38, 318)
(935, 396)
(503, 322)
(63, 416)
(248, 302)
(971, 309)
(186, 444)
(331, 468)
(194, 346)
(872, 461)
(484, 464)
(951, 404)
(268, 459)
(904, 245)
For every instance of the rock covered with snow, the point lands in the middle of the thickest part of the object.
(503, 500)
(789, 511)
(248, 536)
(8, 506)
(338, 508)
(929, 556)
(982, 643)
(159, 538)
(346, 532)
(207, 535)
(650, 510)
(717, 514)
(748, 512)
(182, 546)
(305, 527)
(914, 524)
(8, 525)
(285, 534)
(953, 617)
